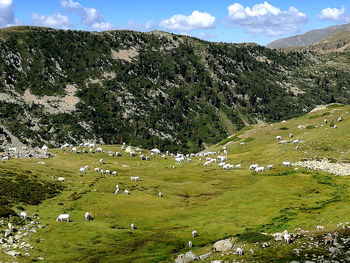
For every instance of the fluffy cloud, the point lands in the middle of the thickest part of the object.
(334, 14)
(149, 25)
(265, 19)
(7, 17)
(54, 20)
(197, 20)
(89, 16)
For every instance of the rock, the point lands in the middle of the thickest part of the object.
(7, 232)
(223, 245)
(189, 256)
(180, 258)
(334, 250)
(204, 256)
(13, 253)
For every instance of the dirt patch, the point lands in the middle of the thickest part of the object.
(54, 104)
(126, 54)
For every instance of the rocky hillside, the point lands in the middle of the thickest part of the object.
(309, 38)
(150, 89)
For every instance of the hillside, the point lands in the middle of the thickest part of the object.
(309, 38)
(238, 204)
(150, 89)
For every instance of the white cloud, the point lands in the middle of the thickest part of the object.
(7, 17)
(204, 35)
(197, 20)
(334, 14)
(265, 19)
(89, 16)
(56, 20)
(102, 26)
(149, 25)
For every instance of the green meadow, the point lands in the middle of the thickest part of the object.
(216, 203)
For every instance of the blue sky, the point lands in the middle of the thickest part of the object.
(221, 20)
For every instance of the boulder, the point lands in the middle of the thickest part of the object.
(204, 256)
(189, 256)
(185, 258)
(223, 245)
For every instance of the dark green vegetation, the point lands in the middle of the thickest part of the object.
(23, 188)
(152, 89)
(218, 204)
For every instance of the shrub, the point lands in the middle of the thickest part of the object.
(253, 237)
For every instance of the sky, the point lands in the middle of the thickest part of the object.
(218, 21)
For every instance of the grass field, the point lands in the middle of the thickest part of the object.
(216, 203)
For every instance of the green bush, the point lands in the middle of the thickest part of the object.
(253, 237)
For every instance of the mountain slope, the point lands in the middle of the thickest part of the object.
(309, 38)
(217, 203)
(150, 89)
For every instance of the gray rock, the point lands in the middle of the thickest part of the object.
(223, 245)
(204, 256)
(180, 258)
(191, 256)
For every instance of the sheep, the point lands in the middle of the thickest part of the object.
(97, 169)
(132, 154)
(155, 151)
(253, 166)
(287, 237)
(63, 217)
(126, 192)
(291, 135)
(288, 164)
(295, 141)
(328, 239)
(207, 163)
(190, 244)
(117, 191)
(132, 226)
(82, 170)
(269, 166)
(23, 214)
(278, 137)
(282, 142)
(5, 158)
(74, 150)
(107, 171)
(118, 154)
(339, 119)
(194, 233)
(160, 194)
(319, 227)
(114, 173)
(99, 150)
(101, 161)
(225, 152)
(135, 178)
(221, 164)
(325, 121)
(239, 166)
(259, 169)
(227, 166)
(335, 126)
(88, 216)
(239, 251)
